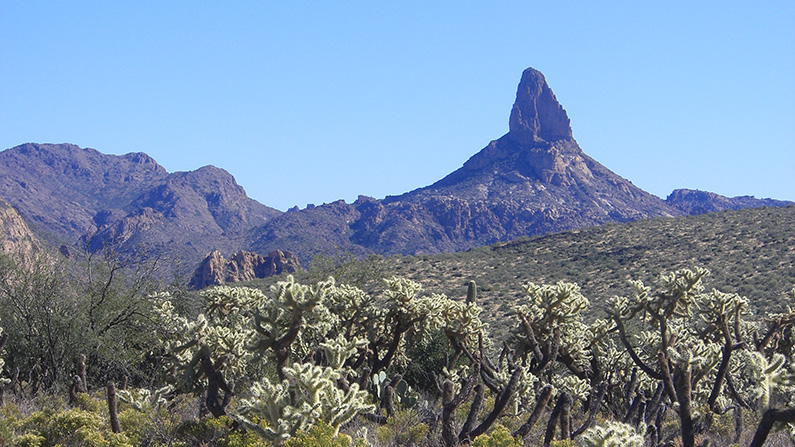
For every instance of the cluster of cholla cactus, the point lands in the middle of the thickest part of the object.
(143, 399)
(310, 353)
(697, 347)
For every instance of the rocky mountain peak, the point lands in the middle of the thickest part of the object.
(536, 114)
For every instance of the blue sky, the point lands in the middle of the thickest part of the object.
(310, 102)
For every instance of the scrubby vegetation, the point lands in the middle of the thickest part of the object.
(328, 364)
(95, 352)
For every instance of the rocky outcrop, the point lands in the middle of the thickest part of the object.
(695, 202)
(15, 236)
(242, 266)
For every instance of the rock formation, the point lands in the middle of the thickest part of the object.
(15, 236)
(242, 266)
(533, 180)
(693, 202)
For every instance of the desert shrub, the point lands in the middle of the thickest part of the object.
(320, 435)
(429, 355)
(499, 437)
(74, 427)
(403, 429)
(28, 440)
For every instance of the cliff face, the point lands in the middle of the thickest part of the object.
(15, 236)
(242, 266)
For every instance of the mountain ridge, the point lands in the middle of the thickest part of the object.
(80, 196)
(533, 180)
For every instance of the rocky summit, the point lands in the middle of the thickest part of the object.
(533, 180)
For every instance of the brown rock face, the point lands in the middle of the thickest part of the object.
(242, 266)
(536, 115)
(15, 236)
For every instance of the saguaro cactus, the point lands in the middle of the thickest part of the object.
(472, 292)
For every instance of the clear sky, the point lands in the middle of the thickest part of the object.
(310, 102)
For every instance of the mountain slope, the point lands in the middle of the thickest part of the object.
(533, 180)
(128, 202)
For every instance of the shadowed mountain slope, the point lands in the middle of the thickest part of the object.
(129, 202)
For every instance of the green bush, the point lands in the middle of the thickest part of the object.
(320, 435)
(74, 427)
(29, 440)
(403, 429)
(499, 437)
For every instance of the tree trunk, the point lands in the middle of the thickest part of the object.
(683, 391)
(770, 417)
(113, 408)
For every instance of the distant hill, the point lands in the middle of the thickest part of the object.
(750, 252)
(699, 202)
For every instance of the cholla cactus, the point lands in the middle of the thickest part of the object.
(699, 355)
(404, 314)
(225, 336)
(612, 434)
(766, 378)
(551, 329)
(461, 321)
(142, 399)
(550, 305)
(338, 350)
(280, 323)
(578, 389)
(679, 290)
(307, 395)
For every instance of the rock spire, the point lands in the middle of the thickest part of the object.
(536, 114)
